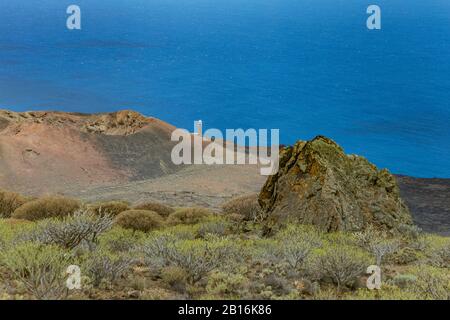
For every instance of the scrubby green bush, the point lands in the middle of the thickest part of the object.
(139, 220)
(437, 250)
(9, 231)
(432, 282)
(71, 231)
(218, 227)
(289, 248)
(9, 202)
(107, 268)
(195, 257)
(343, 264)
(368, 236)
(246, 206)
(175, 277)
(47, 207)
(382, 248)
(40, 268)
(405, 256)
(182, 231)
(110, 208)
(188, 216)
(224, 285)
(404, 280)
(410, 232)
(340, 238)
(120, 240)
(297, 242)
(161, 209)
(198, 258)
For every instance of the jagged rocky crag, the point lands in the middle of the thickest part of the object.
(319, 184)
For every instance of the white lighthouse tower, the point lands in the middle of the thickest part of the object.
(198, 125)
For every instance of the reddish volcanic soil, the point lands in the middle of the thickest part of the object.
(55, 152)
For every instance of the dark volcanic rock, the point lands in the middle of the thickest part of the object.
(319, 184)
(429, 202)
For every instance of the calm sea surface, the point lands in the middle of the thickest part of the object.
(307, 67)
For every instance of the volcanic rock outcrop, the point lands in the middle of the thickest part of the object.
(319, 184)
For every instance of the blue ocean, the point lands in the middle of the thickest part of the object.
(307, 67)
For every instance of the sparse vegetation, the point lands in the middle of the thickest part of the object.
(195, 254)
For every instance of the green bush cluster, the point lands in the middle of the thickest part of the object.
(161, 209)
(192, 253)
(40, 268)
(10, 202)
(47, 207)
(188, 216)
(141, 220)
(246, 206)
(110, 208)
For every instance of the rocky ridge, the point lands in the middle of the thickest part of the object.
(319, 184)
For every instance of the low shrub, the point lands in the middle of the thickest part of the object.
(47, 207)
(368, 236)
(157, 250)
(381, 248)
(11, 228)
(110, 208)
(71, 231)
(432, 282)
(405, 256)
(175, 277)
(139, 220)
(404, 281)
(188, 216)
(41, 269)
(120, 240)
(297, 242)
(106, 268)
(218, 227)
(246, 206)
(437, 251)
(222, 285)
(183, 231)
(342, 264)
(195, 257)
(159, 208)
(9, 202)
(289, 248)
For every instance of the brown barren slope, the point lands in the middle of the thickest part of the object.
(58, 152)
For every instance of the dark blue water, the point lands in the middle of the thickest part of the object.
(307, 67)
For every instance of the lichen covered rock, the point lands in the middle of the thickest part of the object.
(319, 184)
